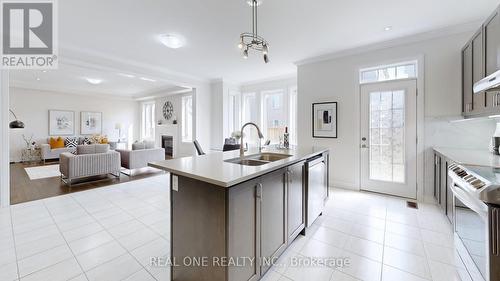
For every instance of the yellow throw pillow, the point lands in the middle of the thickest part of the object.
(52, 142)
(104, 140)
(59, 143)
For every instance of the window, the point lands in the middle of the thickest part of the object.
(388, 72)
(272, 110)
(274, 115)
(234, 123)
(148, 120)
(187, 118)
(250, 112)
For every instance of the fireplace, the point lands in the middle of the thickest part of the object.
(167, 142)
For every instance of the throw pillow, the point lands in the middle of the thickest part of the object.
(149, 144)
(101, 148)
(95, 139)
(86, 141)
(71, 142)
(85, 149)
(104, 140)
(56, 143)
(52, 142)
(138, 146)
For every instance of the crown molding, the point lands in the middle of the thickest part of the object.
(163, 93)
(72, 54)
(26, 86)
(405, 40)
(289, 76)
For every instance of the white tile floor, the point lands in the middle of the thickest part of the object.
(110, 234)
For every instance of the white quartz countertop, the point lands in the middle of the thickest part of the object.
(211, 167)
(471, 157)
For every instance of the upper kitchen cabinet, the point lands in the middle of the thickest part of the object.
(467, 93)
(492, 43)
(478, 99)
(491, 33)
(480, 58)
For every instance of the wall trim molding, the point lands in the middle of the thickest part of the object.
(4, 140)
(290, 76)
(26, 86)
(405, 40)
(344, 185)
(115, 62)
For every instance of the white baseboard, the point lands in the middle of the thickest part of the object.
(344, 185)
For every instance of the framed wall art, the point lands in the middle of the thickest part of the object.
(324, 120)
(91, 123)
(61, 123)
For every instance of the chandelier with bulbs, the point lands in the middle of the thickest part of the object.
(253, 40)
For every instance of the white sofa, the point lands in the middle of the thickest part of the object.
(49, 153)
(90, 160)
(136, 159)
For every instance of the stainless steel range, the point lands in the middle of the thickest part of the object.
(476, 213)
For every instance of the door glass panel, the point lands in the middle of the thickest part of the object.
(387, 140)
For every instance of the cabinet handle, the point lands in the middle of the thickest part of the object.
(258, 191)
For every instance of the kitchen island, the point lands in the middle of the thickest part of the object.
(233, 216)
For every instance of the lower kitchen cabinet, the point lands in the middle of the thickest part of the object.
(296, 209)
(442, 192)
(273, 201)
(444, 183)
(264, 216)
(243, 231)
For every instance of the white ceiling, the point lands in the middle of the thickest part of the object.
(126, 32)
(71, 79)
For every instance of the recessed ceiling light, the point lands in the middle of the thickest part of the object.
(126, 75)
(388, 28)
(147, 79)
(44, 71)
(94, 81)
(172, 41)
(38, 79)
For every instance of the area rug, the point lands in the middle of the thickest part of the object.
(42, 172)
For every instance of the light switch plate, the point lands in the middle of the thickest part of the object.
(175, 183)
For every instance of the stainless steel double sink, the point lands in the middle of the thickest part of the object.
(258, 159)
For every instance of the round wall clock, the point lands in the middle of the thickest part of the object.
(168, 110)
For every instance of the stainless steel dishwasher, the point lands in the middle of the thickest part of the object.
(316, 187)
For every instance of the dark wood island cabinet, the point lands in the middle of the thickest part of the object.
(235, 232)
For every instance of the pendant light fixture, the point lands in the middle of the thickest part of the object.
(253, 40)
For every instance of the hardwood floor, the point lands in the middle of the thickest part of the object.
(22, 189)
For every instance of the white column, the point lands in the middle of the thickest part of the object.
(4, 139)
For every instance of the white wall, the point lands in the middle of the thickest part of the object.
(202, 111)
(183, 148)
(32, 107)
(337, 80)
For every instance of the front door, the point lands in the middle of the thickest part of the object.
(389, 138)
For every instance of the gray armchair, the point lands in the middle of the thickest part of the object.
(89, 162)
(136, 159)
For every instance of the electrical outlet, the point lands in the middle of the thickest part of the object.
(175, 183)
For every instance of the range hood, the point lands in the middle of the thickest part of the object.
(490, 82)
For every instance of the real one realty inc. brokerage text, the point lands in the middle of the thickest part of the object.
(295, 261)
